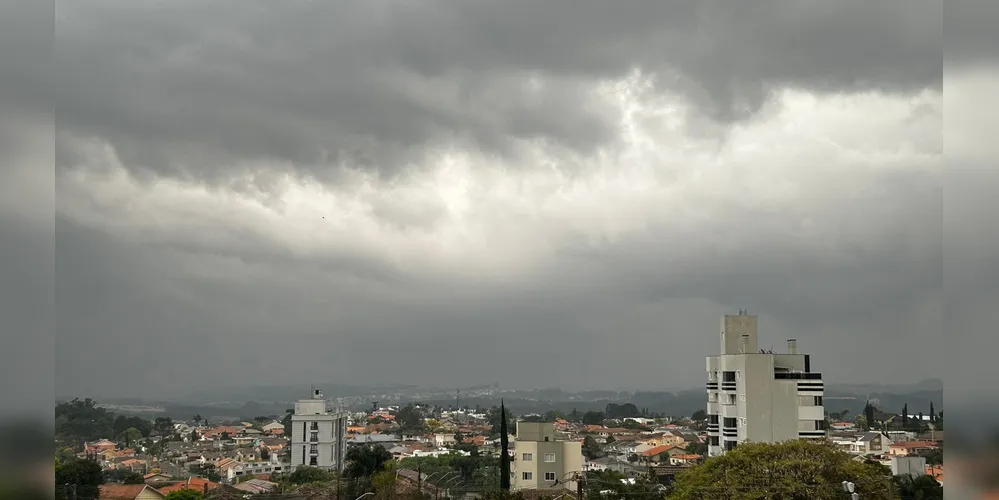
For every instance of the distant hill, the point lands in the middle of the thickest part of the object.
(248, 402)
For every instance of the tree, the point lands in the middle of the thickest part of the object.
(783, 471)
(933, 415)
(129, 437)
(496, 415)
(934, 456)
(163, 426)
(80, 475)
(198, 418)
(308, 475)
(905, 415)
(194, 435)
(123, 476)
(410, 418)
(574, 415)
(626, 410)
(504, 450)
(868, 416)
(593, 418)
(919, 487)
(591, 449)
(365, 460)
(699, 415)
(185, 494)
(286, 421)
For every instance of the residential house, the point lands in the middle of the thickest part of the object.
(273, 426)
(256, 485)
(192, 483)
(870, 443)
(685, 458)
(130, 492)
(907, 448)
(442, 440)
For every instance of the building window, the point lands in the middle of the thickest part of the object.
(712, 397)
(313, 461)
(713, 441)
(549, 457)
(314, 436)
(729, 422)
(549, 476)
(528, 476)
(315, 426)
(527, 457)
(818, 400)
(730, 399)
(728, 376)
(313, 449)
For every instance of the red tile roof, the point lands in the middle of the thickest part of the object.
(122, 491)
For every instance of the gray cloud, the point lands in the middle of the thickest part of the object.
(192, 89)
(448, 194)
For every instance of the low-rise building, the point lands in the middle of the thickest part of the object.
(542, 460)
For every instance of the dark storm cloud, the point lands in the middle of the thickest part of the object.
(160, 289)
(192, 88)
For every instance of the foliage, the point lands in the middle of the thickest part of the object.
(286, 421)
(185, 494)
(919, 488)
(934, 456)
(410, 418)
(789, 470)
(123, 476)
(699, 415)
(163, 427)
(593, 418)
(504, 450)
(599, 482)
(307, 475)
(626, 410)
(365, 460)
(83, 475)
(78, 421)
(591, 449)
(495, 417)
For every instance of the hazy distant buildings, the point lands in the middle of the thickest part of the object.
(757, 395)
(318, 437)
(542, 461)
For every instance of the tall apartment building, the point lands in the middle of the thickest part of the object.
(542, 460)
(757, 395)
(318, 436)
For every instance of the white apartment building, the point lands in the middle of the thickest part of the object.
(543, 461)
(318, 436)
(758, 395)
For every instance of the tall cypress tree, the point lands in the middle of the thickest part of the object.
(933, 416)
(505, 450)
(905, 415)
(869, 415)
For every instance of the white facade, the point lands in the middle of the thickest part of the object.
(760, 396)
(318, 437)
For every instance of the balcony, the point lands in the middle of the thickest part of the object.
(811, 413)
(797, 376)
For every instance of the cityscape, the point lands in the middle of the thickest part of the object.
(758, 403)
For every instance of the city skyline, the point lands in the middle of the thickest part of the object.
(552, 195)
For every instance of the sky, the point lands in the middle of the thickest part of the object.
(442, 193)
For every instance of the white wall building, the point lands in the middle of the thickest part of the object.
(318, 436)
(757, 395)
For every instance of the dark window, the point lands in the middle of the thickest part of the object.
(730, 422)
(313, 449)
(818, 400)
(728, 376)
(315, 426)
(797, 376)
(730, 445)
(546, 438)
(713, 440)
(314, 437)
(713, 419)
(820, 425)
(313, 461)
